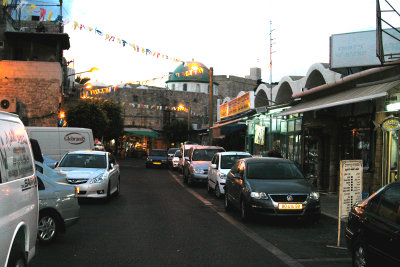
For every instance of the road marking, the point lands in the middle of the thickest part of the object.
(252, 235)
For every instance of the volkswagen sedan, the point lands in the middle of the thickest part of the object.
(270, 186)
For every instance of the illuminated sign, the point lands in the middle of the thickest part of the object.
(391, 124)
(238, 105)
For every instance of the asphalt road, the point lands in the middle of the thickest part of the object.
(159, 221)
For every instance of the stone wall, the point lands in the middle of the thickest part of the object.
(230, 86)
(36, 88)
(148, 116)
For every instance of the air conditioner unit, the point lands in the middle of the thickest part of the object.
(8, 104)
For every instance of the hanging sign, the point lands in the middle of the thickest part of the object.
(237, 105)
(391, 124)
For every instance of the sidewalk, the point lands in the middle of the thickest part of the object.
(330, 205)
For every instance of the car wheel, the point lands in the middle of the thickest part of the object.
(359, 255)
(47, 227)
(227, 203)
(244, 211)
(209, 189)
(17, 257)
(217, 191)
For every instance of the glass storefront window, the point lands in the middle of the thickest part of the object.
(291, 126)
(298, 125)
(283, 126)
(357, 146)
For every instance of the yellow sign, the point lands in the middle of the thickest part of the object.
(237, 105)
(391, 124)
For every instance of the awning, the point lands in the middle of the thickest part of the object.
(142, 131)
(228, 127)
(354, 95)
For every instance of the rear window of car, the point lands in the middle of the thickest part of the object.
(227, 161)
(84, 161)
(158, 153)
(204, 154)
(273, 171)
(172, 150)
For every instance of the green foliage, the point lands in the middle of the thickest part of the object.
(176, 131)
(81, 80)
(103, 117)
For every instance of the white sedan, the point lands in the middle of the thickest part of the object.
(95, 172)
(221, 164)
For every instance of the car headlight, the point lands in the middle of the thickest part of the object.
(99, 179)
(258, 195)
(314, 195)
(195, 170)
(222, 175)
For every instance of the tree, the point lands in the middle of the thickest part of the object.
(176, 131)
(102, 116)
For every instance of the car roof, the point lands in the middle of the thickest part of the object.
(208, 147)
(233, 153)
(94, 152)
(266, 159)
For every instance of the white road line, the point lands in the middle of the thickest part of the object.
(252, 235)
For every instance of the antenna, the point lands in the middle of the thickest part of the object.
(270, 56)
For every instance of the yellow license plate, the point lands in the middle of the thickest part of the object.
(284, 206)
(157, 163)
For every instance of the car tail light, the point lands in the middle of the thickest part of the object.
(77, 189)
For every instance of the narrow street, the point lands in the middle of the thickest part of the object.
(157, 221)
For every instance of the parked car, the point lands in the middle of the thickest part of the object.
(95, 172)
(175, 160)
(197, 163)
(58, 203)
(49, 161)
(373, 228)
(19, 199)
(270, 186)
(221, 164)
(158, 158)
(185, 150)
(171, 153)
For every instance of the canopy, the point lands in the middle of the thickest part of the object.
(142, 131)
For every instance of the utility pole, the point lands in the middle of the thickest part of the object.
(270, 58)
(210, 106)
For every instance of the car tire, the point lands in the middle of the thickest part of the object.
(245, 213)
(47, 227)
(227, 203)
(17, 257)
(217, 191)
(359, 255)
(209, 189)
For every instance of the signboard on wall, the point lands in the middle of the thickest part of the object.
(259, 135)
(350, 185)
(358, 49)
(238, 105)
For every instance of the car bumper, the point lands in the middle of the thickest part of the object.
(175, 165)
(265, 207)
(88, 190)
(198, 178)
(157, 164)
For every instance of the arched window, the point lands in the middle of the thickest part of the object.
(185, 87)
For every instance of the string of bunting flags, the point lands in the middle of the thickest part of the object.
(161, 107)
(122, 42)
(44, 14)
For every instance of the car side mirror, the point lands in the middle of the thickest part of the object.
(56, 164)
(112, 165)
(213, 166)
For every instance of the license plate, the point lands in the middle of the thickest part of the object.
(157, 163)
(284, 206)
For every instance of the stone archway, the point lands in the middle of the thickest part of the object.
(315, 79)
(284, 94)
(261, 99)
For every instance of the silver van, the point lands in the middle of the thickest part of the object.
(19, 202)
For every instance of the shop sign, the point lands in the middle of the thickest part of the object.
(238, 105)
(259, 135)
(351, 172)
(391, 124)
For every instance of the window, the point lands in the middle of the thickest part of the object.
(389, 207)
(185, 87)
(135, 98)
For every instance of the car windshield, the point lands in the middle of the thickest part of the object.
(227, 161)
(204, 154)
(172, 150)
(273, 171)
(177, 154)
(84, 161)
(186, 152)
(158, 153)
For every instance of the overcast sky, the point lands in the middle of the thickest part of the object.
(230, 36)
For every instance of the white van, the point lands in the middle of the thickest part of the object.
(19, 202)
(55, 142)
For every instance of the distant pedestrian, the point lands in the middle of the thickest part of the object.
(274, 152)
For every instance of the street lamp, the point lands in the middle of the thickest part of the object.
(91, 70)
(181, 107)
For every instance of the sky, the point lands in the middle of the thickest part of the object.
(230, 36)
